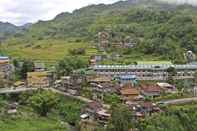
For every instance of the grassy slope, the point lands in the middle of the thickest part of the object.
(29, 121)
(162, 32)
(50, 51)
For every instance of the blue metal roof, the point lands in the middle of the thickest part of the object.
(126, 77)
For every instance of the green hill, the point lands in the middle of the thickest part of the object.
(8, 30)
(161, 31)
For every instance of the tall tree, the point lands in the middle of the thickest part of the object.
(68, 64)
(195, 78)
(171, 73)
(43, 102)
(121, 119)
(28, 66)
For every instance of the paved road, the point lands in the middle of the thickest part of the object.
(84, 99)
(69, 95)
(12, 90)
(179, 101)
(18, 90)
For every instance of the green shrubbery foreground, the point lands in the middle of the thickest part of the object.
(40, 110)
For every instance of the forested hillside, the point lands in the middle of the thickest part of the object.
(159, 29)
(180, 118)
(7, 30)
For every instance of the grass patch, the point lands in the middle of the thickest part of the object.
(48, 51)
(66, 111)
(27, 120)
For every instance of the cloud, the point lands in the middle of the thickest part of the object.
(23, 11)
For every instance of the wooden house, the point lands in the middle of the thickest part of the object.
(129, 93)
(39, 79)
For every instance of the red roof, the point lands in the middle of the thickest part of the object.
(151, 88)
(129, 91)
(4, 61)
(95, 105)
(147, 104)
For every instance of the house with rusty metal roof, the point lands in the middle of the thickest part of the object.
(129, 93)
(151, 90)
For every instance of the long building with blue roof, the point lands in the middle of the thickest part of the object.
(147, 71)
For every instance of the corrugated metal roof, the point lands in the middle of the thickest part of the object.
(154, 62)
(127, 76)
(37, 74)
(4, 58)
(144, 66)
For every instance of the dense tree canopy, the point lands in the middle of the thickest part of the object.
(158, 29)
(183, 118)
(27, 66)
(68, 64)
(43, 102)
(121, 119)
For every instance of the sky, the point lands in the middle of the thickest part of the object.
(20, 12)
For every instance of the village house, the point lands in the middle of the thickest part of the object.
(39, 67)
(129, 44)
(94, 59)
(123, 45)
(92, 108)
(104, 87)
(148, 108)
(168, 88)
(39, 79)
(95, 111)
(143, 109)
(101, 79)
(19, 84)
(71, 84)
(132, 105)
(5, 68)
(150, 90)
(103, 116)
(99, 90)
(129, 93)
(104, 40)
(100, 85)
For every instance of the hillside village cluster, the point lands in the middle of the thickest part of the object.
(130, 82)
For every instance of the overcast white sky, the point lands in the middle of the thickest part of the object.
(20, 12)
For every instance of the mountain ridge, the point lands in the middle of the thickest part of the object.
(159, 29)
